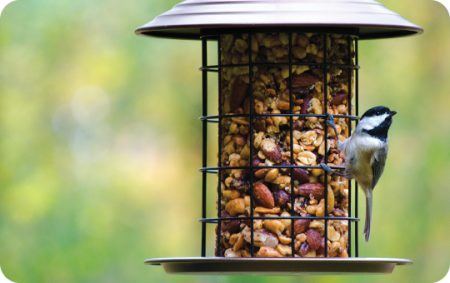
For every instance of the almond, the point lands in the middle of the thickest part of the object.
(238, 93)
(304, 80)
(232, 226)
(281, 198)
(338, 98)
(271, 150)
(311, 189)
(300, 225)
(263, 195)
(314, 239)
(301, 175)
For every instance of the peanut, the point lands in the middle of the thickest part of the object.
(235, 206)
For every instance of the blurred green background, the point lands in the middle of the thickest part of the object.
(100, 145)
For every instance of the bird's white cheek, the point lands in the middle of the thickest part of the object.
(372, 122)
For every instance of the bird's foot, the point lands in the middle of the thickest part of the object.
(330, 171)
(327, 168)
(330, 121)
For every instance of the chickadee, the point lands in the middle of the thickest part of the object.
(365, 153)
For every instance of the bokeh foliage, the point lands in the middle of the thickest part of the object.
(100, 145)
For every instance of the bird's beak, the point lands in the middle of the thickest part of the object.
(393, 113)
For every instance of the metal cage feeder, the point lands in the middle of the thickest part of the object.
(286, 70)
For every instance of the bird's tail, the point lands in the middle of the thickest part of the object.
(368, 214)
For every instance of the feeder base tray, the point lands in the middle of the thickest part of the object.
(286, 266)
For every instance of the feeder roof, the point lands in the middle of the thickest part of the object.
(193, 18)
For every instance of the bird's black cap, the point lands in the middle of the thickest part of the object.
(378, 111)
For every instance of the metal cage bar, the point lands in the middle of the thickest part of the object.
(349, 125)
(219, 162)
(251, 117)
(204, 140)
(357, 113)
(325, 103)
(291, 145)
(352, 67)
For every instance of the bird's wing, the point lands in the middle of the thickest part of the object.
(378, 161)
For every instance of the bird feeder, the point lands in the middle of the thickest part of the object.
(286, 70)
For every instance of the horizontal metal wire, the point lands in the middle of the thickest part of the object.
(215, 118)
(295, 217)
(215, 68)
(221, 168)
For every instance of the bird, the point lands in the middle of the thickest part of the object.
(446, 4)
(3, 4)
(365, 153)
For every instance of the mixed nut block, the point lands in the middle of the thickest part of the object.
(262, 128)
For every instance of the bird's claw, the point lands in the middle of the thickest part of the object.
(330, 171)
(327, 168)
(330, 121)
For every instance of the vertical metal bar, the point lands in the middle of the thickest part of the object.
(325, 96)
(251, 116)
(291, 142)
(219, 162)
(204, 138)
(357, 114)
(349, 125)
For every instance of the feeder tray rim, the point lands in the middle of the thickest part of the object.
(285, 266)
(157, 261)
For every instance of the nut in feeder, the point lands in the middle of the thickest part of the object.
(287, 72)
